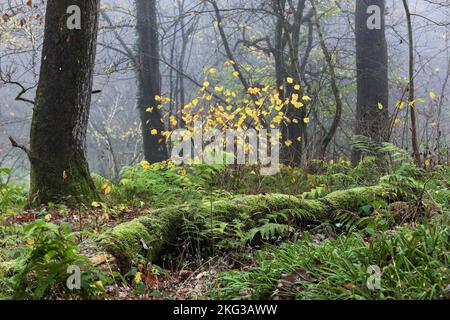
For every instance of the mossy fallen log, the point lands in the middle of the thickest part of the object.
(148, 235)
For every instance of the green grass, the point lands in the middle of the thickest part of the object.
(414, 263)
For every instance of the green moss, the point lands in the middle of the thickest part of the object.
(318, 209)
(162, 228)
(125, 242)
(281, 201)
(353, 198)
(47, 185)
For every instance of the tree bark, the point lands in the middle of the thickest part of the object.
(372, 76)
(149, 81)
(59, 171)
(288, 66)
(411, 85)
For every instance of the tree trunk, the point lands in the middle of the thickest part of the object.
(149, 81)
(59, 171)
(372, 76)
(288, 66)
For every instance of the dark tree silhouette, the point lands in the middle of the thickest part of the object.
(372, 75)
(149, 81)
(59, 171)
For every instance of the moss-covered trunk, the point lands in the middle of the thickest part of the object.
(149, 235)
(59, 171)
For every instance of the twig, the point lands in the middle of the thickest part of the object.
(16, 145)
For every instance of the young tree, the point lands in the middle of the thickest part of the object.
(59, 171)
(287, 65)
(372, 72)
(411, 84)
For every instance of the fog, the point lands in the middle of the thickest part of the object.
(114, 131)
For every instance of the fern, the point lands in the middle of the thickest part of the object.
(380, 150)
(396, 154)
(267, 231)
(367, 146)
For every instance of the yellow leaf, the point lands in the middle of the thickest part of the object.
(48, 217)
(235, 74)
(145, 164)
(288, 142)
(380, 106)
(108, 189)
(290, 80)
(229, 62)
(254, 90)
(433, 95)
(138, 277)
(95, 204)
(154, 132)
(306, 120)
(206, 84)
(297, 87)
(400, 104)
(397, 122)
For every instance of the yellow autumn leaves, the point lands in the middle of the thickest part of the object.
(223, 107)
(145, 164)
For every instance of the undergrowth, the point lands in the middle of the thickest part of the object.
(413, 263)
(234, 212)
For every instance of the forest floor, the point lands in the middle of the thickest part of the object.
(327, 231)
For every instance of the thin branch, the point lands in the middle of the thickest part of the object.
(16, 145)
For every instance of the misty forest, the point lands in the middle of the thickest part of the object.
(224, 149)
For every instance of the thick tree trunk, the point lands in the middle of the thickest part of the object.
(149, 81)
(59, 171)
(372, 76)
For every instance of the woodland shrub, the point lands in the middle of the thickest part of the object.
(38, 268)
(159, 185)
(11, 194)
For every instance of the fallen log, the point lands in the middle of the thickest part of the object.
(148, 235)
